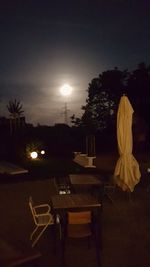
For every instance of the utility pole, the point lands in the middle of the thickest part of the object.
(66, 113)
(65, 91)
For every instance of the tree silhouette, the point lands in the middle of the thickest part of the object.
(139, 90)
(104, 93)
(15, 110)
(103, 96)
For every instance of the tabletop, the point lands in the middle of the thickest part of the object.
(74, 201)
(84, 179)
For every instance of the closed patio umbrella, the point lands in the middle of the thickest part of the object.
(127, 173)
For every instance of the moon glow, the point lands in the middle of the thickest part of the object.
(66, 90)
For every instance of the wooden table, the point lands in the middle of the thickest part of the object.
(84, 179)
(71, 201)
(87, 183)
(61, 204)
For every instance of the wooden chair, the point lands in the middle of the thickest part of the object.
(42, 219)
(79, 225)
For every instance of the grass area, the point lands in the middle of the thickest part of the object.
(43, 169)
(52, 166)
(62, 166)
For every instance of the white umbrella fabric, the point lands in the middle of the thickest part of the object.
(127, 173)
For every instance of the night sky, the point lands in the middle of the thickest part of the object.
(44, 44)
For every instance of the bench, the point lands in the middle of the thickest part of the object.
(10, 168)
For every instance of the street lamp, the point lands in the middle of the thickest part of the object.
(34, 155)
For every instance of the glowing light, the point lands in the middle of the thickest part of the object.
(66, 90)
(42, 152)
(34, 155)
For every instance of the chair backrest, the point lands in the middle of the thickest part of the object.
(31, 205)
(81, 217)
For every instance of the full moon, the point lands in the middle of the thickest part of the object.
(66, 90)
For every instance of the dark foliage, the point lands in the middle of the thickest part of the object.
(104, 94)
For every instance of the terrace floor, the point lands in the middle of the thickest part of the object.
(126, 225)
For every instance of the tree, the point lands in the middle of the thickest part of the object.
(15, 110)
(139, 90)
(103, 96)
(139, 94)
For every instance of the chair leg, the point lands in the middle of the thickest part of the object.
(89, 242)
(38, 237)
(63, 248)
(98, 256)
(31, 236)
(60, 231)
